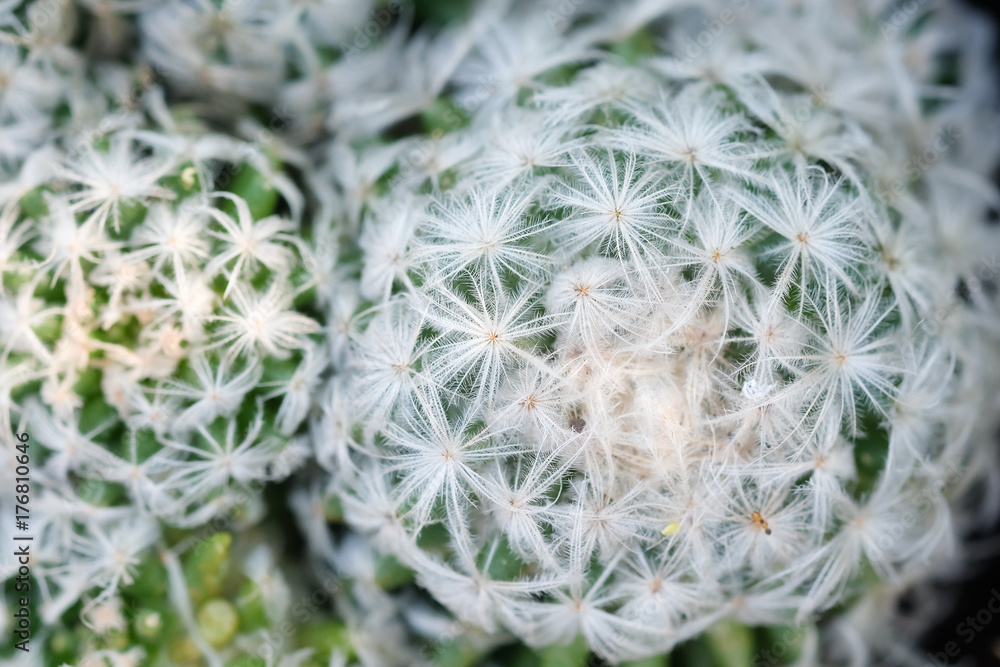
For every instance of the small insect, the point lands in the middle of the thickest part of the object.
(760, 521)
(576, 421)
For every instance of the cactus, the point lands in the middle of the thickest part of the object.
(645, 332)
(666, 332)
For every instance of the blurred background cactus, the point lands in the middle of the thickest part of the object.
(518, 333)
